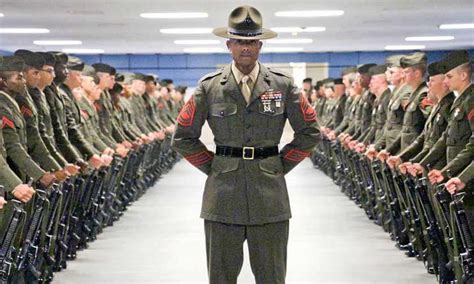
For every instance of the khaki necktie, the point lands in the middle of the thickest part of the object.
(246, 88)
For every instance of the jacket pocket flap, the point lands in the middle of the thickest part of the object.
(223, 109)
(225, 164)
(271, 165)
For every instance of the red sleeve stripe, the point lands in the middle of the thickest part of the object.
(309, 115)
(471, 114)
(200, 158)
(98, 106)
(7, 122)
(186, 116)
(26, 111)
(85, 115)
(295, 155)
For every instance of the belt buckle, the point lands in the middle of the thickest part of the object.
(244, 153)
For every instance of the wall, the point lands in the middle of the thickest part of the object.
(186, 69)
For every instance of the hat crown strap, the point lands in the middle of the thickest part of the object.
(244, 32)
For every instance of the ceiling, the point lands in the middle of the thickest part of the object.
(116, 27)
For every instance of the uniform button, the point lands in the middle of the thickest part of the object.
(222, 113)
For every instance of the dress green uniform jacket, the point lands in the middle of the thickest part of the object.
(104, 110)
(337, 114)
(352, 126)
(35, 145)
(457, 141)
(242, 191)
(467, 175)
(434, 128)
(364, 113)
(394, 122)
(164, 112)
(319, 106)
(91, 124)
(74, 121)
(129, 123)
(46, 126)
(120, 117)
(347, 116)
(414, 119)
(139, 110)
(140, 107)
(14, 136)
(329, 107)
(151, 107)
(8, 179)
(59, 122)
(379, 117)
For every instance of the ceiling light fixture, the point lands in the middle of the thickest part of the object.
(83, 50)
(404, 47)
(429, 38)
(2, 15)
(196, 41)
(186, 31)
(298, 29)
(190, 15)
(23, 31)
(204, 50)
(289, 40)
(457, 26)
(310, 13)
(57, 42)
(282, 49)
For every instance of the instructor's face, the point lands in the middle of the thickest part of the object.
(244, 52)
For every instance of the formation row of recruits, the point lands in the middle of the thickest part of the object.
(402, 149)
(79, 143)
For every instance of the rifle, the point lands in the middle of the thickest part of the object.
(394, 183)
(466, 255)
(93, 219)
(75, 229)
(45, 263)
(429, 227)
(338, 167)
(438, 237)
(64, 225)
(415, 220)
(383, 209)
(111, 193)
(369, 186)
(7, 249)
(32, 249)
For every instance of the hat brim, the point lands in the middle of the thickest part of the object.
(222, 32)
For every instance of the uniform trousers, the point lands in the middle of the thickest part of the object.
(267, 245)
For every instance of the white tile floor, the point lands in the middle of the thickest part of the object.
(160, 239)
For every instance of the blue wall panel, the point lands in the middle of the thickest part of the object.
(335, 72)
(315, 57)
(172, 61)
(372, 57)
(342, 59)
(118, 61)
(200, 61)
(143, 61)
(90, 59)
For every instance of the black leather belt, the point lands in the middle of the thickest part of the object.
(247, 153)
